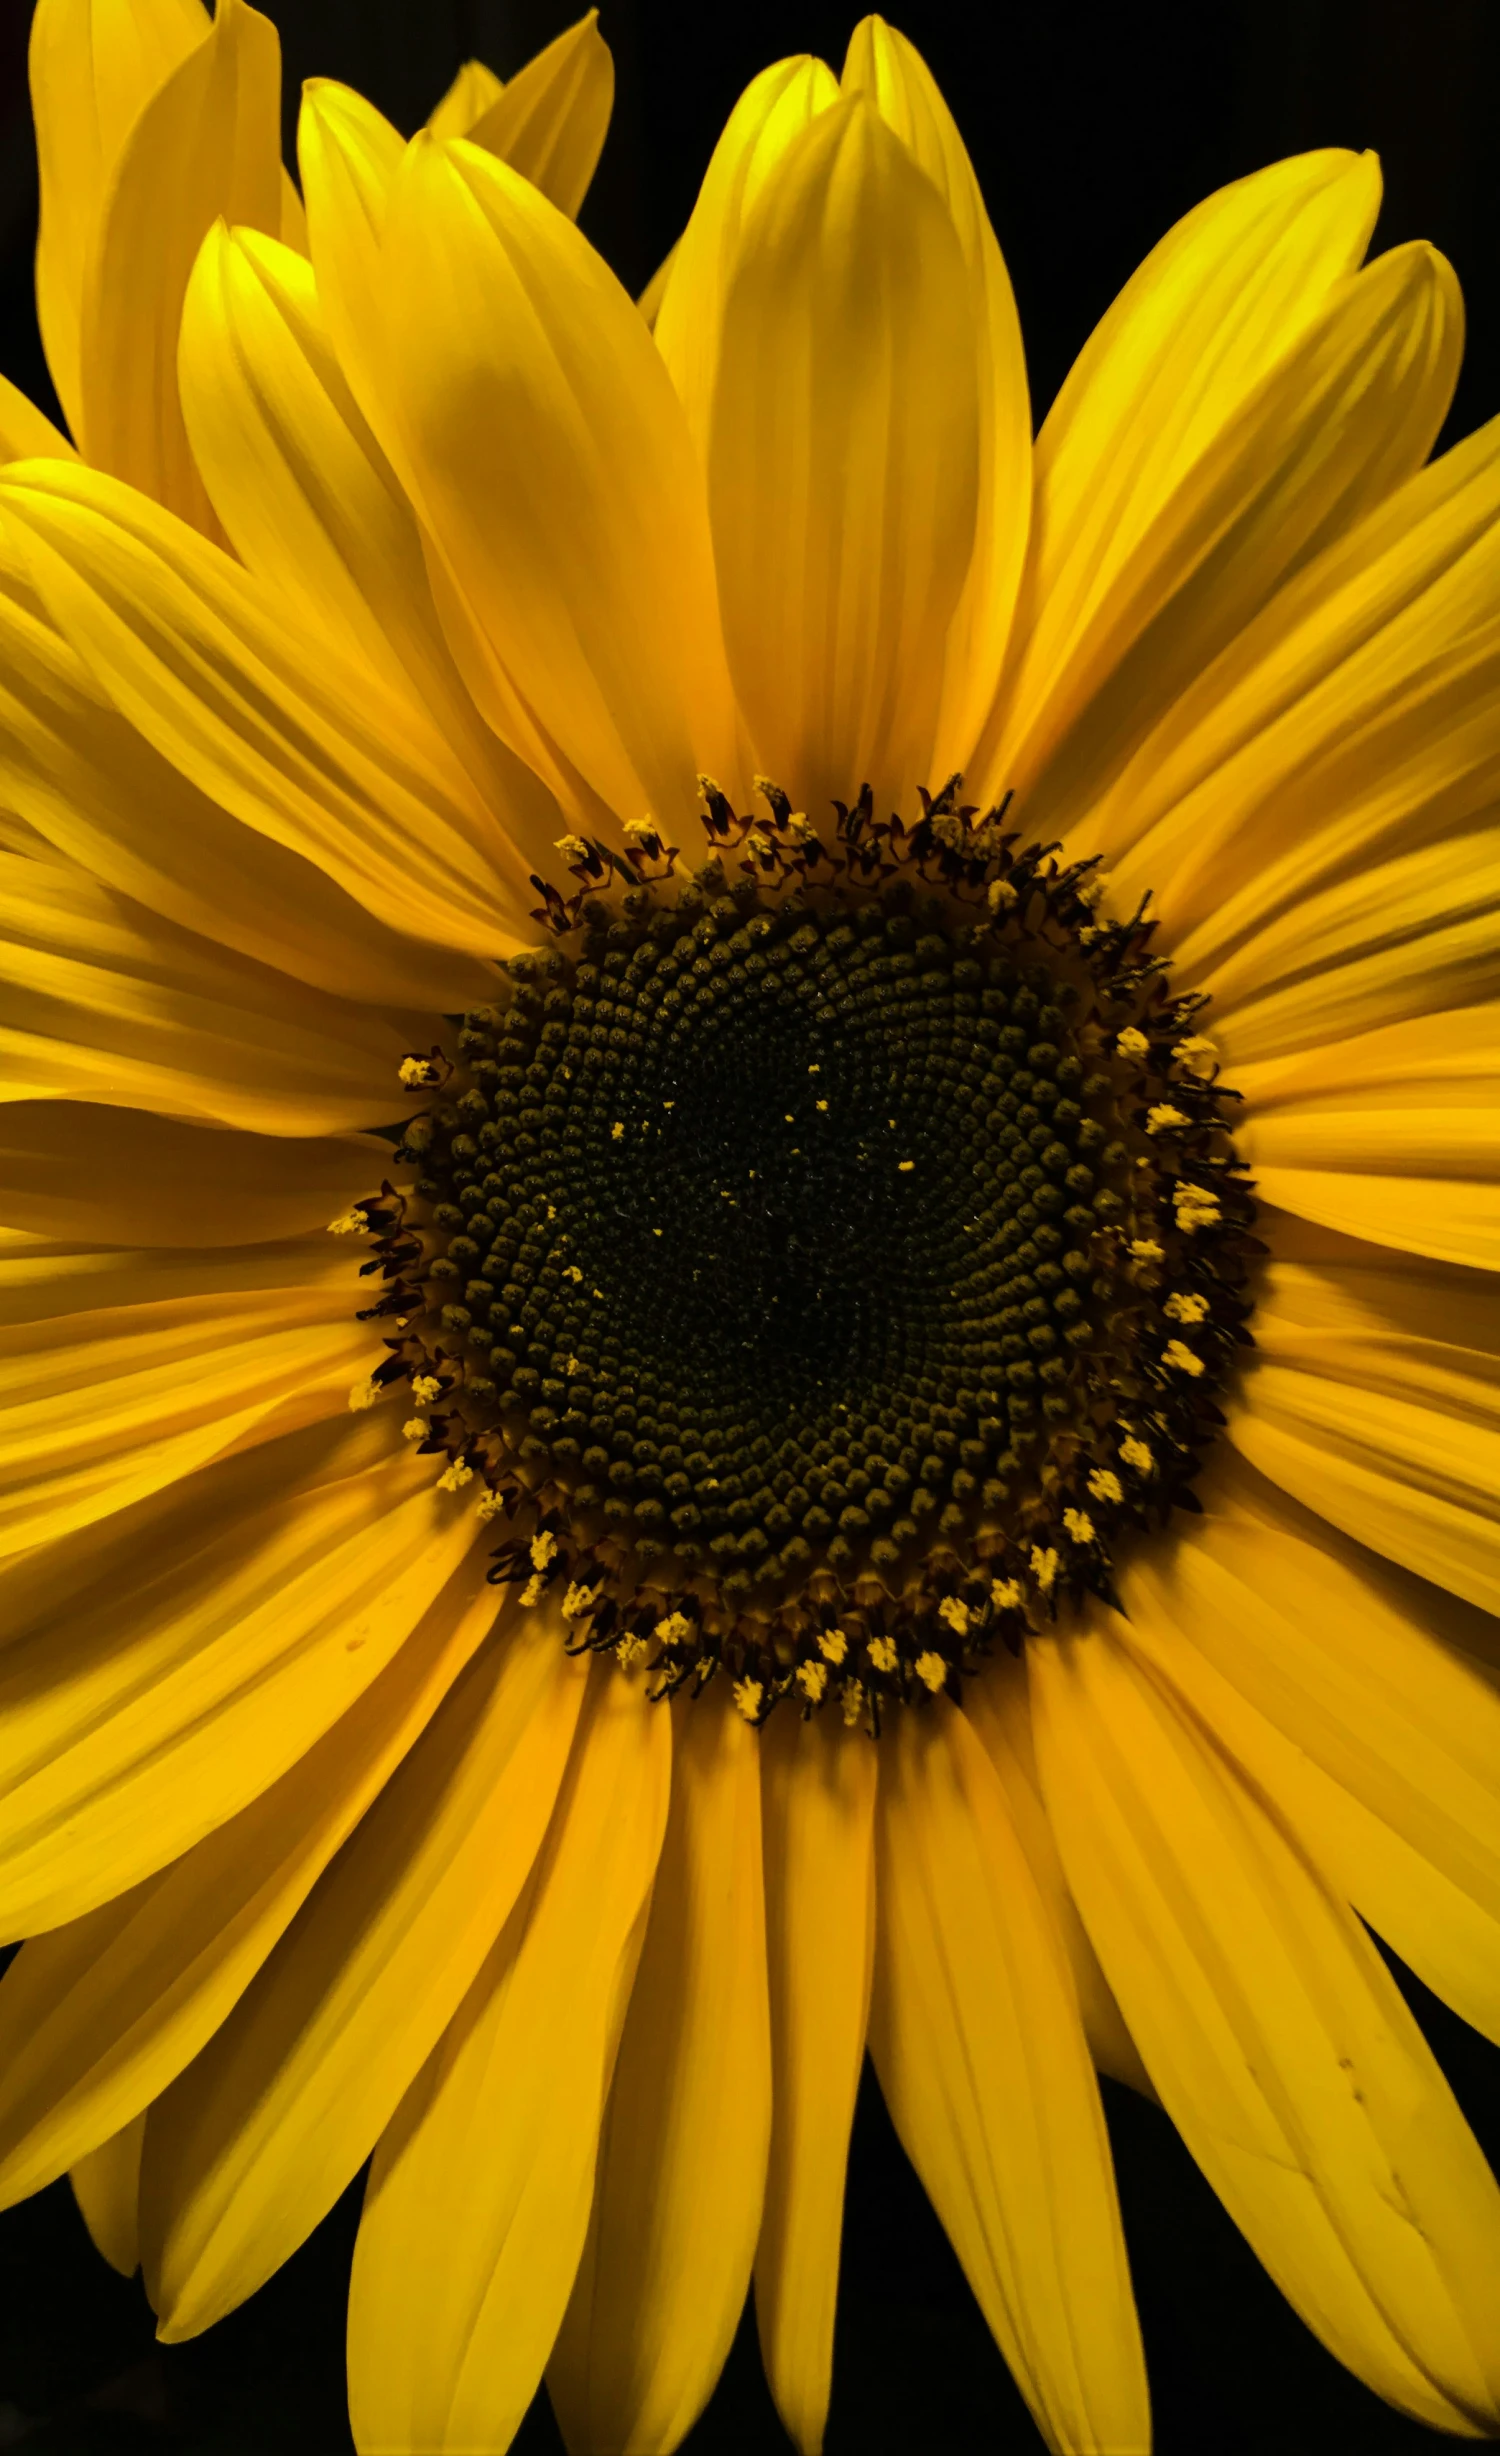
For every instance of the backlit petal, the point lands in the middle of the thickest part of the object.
(551, 120)
(106, 2186)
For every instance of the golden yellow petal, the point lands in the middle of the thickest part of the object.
(94, 68)
(975, 2033)
(818, 1810)
(843, 494)
(1160, 382)
(1277, 2040)
(101, 1000)
(688, 314)
(552, 118)
(265, 717)
(682, 2156)
(255, 2141)
(61, 1160)
(553, 468)
(478, 2199)
(207, 143)
(106, 2186)
(891, 71)
(99, 2016)
(25, 433)
(473, 90)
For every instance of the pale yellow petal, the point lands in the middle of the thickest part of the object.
(262, 715)
(688, 314)
(682, 2156)
(1321, 1671)
(207, 143)
(101, 1000)
(884, 65)
(1277, 2040)
(818, 1808)
(94, 67)
(843, 493)
(551, 120)
(71, 1170)
(99, 2016)
(478, 2199)
(106, 2186)
(981, 2055)
(1188, 342)
(473, 90)
(155, 1716)
(253, 2144)
(95, 789)
(552, 466)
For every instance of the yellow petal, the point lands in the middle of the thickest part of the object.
(473, 90)
(101, 1000)
(478, 2198)
(106, 2186)
(552, 118)
(101, 2014)
(253, 2144)
(1000, 1710)
(689, 314)
(265, 717)
(348, 156)
(651, 297)
(1212, 310)
(156, 1716)
(293, 224)
(95, 790)
(313, 507)
(682, 2157)
(1319, 1670)
(1278, 2042)
(1377, 367)
(843, 492)
(25, 433)
(94, 67)
(818, 1807)
(61, 1161)
(208, 143)
(981, 2055)
(1393, 1135)
(553, 469)
(884, 65)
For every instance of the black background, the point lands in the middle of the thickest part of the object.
(1093, 125)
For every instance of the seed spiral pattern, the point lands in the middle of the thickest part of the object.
(825, 1259)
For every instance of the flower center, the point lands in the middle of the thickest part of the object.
(827, 1259)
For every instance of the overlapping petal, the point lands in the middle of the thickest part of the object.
(167, 1181)
(549, 122)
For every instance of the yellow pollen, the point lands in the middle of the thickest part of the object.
(1194, 1206)
(1186, 1308)
(628, 1649)
(902, 1166)
(1146, 1249)
(853, 1701)
(455, 1476)
(1044, 1567)
(573, 1272)
(416, 1428)
(812, 1680)
(1164, 1119)
(833, 1645)
(1197, 1054)
(417, 1070)
(1001, 895)
(577, 1601)
(347, 1224)
(364, 1394)
(932, 1670)
(674, 1630)
(1181, 1359)
(956, 1614)
(822, 1104)
(617, 1132)
(1079, 1525)
(1105, 1485)
(815, 1070)
(1136, 1454)
(426, 1388)
(490, 1506)
(1131, 1043)
(530, 1593)
(543, 1550)
(1005, 1594)
(572, 848)
(883, 1653)
(639, 832)
(747, 1696)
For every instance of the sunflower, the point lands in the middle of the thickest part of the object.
(895, 1442)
